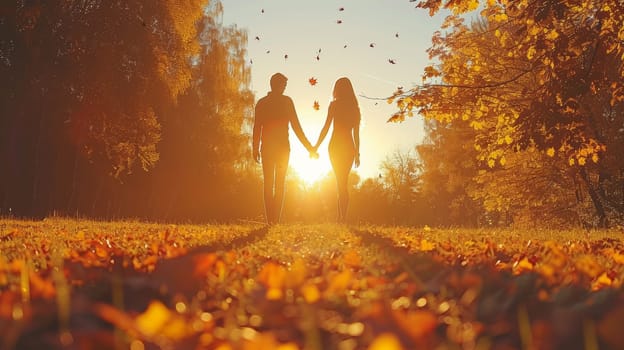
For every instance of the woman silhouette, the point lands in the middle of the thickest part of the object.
(344, 145)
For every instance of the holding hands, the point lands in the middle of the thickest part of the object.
(314, 152)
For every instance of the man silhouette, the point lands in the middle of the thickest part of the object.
(273, 114)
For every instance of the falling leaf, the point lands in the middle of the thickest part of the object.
(312, 81)
(257, 37)
(339, 21)
(316, 106)
(391, 61)
(396, 35)
(344, 47)
(285, 56)
(262, 11)
(341, 9)
(371, 45)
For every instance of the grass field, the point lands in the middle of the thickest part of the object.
(129, 285)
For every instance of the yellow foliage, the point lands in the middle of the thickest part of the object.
(426, 246)
(588, 265)
(551, 152)
(310, 293)
(522, 266)
(158, 319)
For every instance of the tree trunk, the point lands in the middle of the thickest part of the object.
(595, 198)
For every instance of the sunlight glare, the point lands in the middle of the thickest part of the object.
(307, 169)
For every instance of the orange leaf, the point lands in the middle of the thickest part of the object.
(386, 341)
(203, 264)
(296, 274)
(273, 277)
(310, 293)
(418, 324)
(352, 258)
(316, 106)
(339, 283)
(522, 266)
(312, 81)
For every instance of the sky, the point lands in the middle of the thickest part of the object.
(303, 30)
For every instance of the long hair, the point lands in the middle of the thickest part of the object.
(344, 94)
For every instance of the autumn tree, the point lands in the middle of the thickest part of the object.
(123, 108)
(448, 164)
(533, 76)
(205, 148)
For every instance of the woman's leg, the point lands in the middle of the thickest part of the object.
(341, 155)
(342, 180)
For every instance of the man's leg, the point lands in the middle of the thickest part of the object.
(268, 171)
(281, 167)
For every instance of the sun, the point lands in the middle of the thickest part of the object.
(307, 169)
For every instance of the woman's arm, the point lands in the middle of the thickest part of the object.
(356, 141)
(330, 117)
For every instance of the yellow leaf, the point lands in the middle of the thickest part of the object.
(571, 161)
(153, 319)
(531, 52)
(552, 35)
(582, 160)
(274, 294)
(310, 293)
(426, 246)
(522, 266)
(508, 139)
(158, 319)
(602, 281)
(551, 152)
(386, 341)
(595, 158)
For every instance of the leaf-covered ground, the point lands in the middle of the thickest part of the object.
(97, 285)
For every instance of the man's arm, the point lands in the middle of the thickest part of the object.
(257, 133)
(294, 121)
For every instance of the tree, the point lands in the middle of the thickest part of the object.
(123, 108)
(448, 169)
(533, 76)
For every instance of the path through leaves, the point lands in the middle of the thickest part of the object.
(89, 285)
